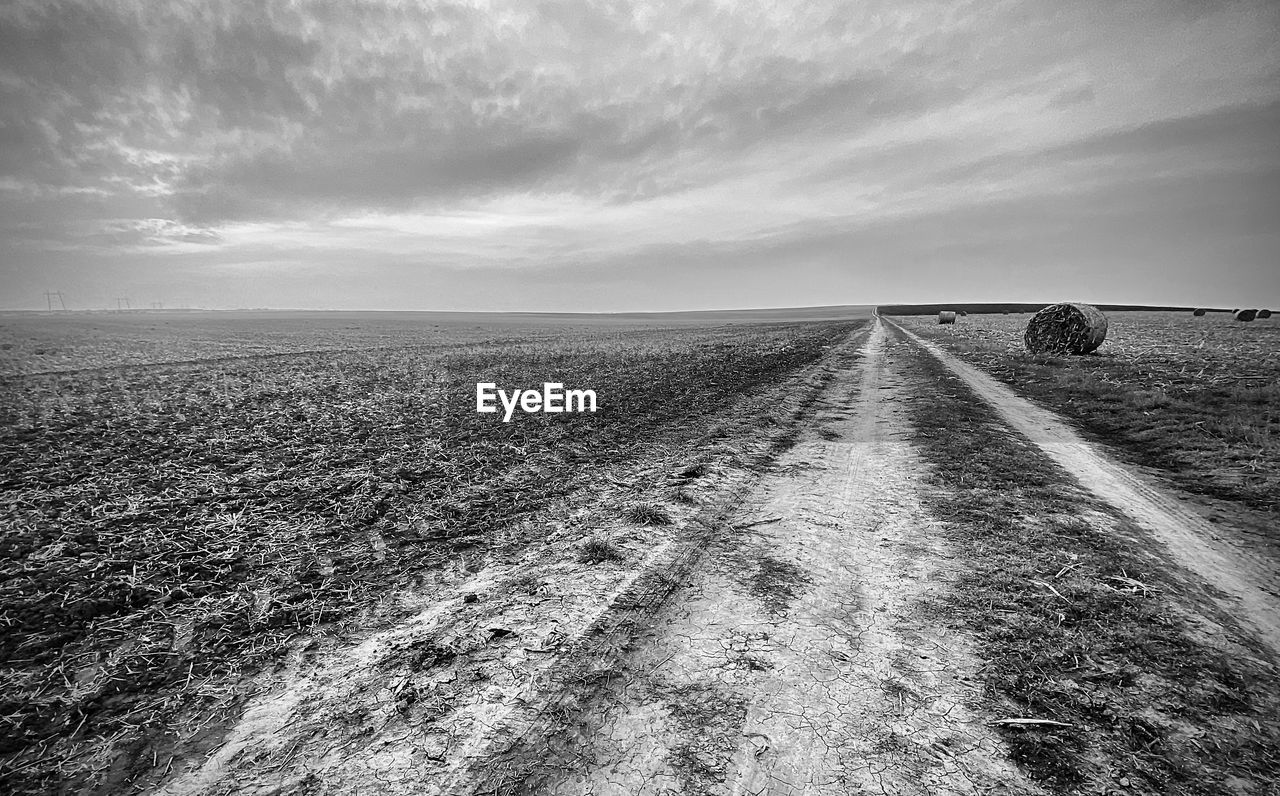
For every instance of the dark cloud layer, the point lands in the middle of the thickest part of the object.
(372, 104)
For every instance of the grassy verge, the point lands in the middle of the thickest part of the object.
(1080, 625)
(183, 524)
(1196, 398)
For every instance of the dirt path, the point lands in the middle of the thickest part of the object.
(1248, 581)
(797, 661)
(409, 709)
(474, 653)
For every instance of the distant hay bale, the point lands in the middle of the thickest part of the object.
(946, 316)
(962, 313)
(1199, 312)
(1066, 329)
(1245, 315)
(1264, 314)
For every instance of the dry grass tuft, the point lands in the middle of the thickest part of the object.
(776, 583)
(598, 549)
(684, 496)
(695, 470)
(647, 514)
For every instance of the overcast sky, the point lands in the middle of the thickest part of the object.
(602, 156)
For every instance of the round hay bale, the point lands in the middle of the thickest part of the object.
(1264, 314)
(1198, 313)
(1066, 329)
(962, 313)
(1245, 315)
(946, 316)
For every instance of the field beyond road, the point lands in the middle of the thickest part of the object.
(33, 342)
(791, 552)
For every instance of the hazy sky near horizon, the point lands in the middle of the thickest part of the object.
(612, 156)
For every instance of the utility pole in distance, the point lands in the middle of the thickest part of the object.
(122, 304)
(48, 297)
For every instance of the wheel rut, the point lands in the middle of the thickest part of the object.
(1249, 583)
(798, 660)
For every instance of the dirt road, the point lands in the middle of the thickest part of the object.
(1193, 542)
(797, 661)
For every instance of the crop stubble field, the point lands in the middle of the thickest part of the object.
(178, 524)
(187, 499)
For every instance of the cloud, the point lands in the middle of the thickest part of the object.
(374, 175)
(115, 236)
(150, 232)
(1072, 96)
(1229, 129)
(248, 73)
(282, 108)
(514, 134)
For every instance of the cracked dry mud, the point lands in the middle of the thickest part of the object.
(797, 661)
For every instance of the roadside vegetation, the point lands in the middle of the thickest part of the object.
(170, 528)
(1197, 398)
(1134, 683)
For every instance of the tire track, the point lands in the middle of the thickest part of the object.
(796, 662)
(1189, 538)
(476, 656)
